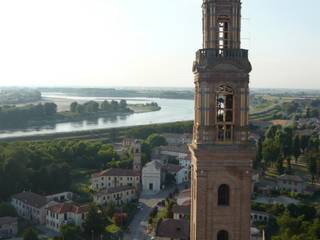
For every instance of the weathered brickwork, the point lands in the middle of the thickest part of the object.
(221, 153)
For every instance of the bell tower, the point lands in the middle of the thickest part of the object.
(221, 152)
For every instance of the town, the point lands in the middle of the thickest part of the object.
(143, 188)
(162, 156)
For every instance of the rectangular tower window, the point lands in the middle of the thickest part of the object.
(223, 34)
(224, 116)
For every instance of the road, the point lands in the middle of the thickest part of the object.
(139, 224)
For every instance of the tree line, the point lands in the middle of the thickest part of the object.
(13, 115)
(281, 144)
(95, 107)
(18, 95)
(45, 167)
(292, 222)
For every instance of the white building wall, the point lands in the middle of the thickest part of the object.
(182, 176)
(105, 182)
(151, 179)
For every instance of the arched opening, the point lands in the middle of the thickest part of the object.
(225, 113)
(223, 235)
(224, 195)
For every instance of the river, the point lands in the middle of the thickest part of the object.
(172, 110)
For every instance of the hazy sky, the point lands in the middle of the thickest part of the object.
(149, 42)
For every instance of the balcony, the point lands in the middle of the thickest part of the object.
(210, 57)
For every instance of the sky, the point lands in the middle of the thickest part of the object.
(149, 43)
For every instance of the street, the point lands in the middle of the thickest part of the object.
(139, 224)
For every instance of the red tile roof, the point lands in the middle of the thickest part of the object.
(69, 207)
(173, 168)
(181, 209)
(117, 172)
(32, 199)
(173, 229)
(8, 220)
(116, 190)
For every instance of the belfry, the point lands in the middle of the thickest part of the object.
(221, 152)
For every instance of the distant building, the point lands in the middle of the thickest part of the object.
(265, 185)
(185, 161)
(65, 213)
(181, 174)
(8, 227)
(259, 216)
(181, 212)
(152, 177)
(136, 152)
(179, 151)
(177, 139)
(184, 197)
(115, 177)
(118, 195)
(60, 197)
(291, 183)
(31, 206)
(255, 179)
(169, 229)
(256, 234)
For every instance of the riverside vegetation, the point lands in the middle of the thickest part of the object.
(12, 116)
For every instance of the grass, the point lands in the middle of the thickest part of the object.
(142, 108)
(81, 183)
(113, 229)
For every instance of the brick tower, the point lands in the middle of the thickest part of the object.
(221, 153)
(136, 151)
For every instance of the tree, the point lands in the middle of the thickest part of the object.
(156, 140)
(7, 210)
(271, 132)
(296, 148)
(285, 140)
(70, 232)
(105, 106)
(304, 142)
(123, 104)
(91, 107)
(30, 234)
(94, 223)
(259, 155)
(73, 107)
(290, 107)
(271, 151)
(50, 109)
(312, 161)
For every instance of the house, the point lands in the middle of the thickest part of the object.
(181, 174)
(60, 197)
(179, 151)
(184, 197)
(152, 177)
(177, 139)
(290, 183)
(31, 206)
(265, 186)
(256, 234)
(259, 216)
(181, 212)
(8, 227)
(185, 161)
(169, 229)
(115, 177)
(65, 213)
(255, 179)
(117, 195)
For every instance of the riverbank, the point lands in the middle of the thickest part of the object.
(109, 135)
